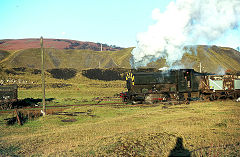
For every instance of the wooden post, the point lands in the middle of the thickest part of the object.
(43, 77)
(18, 119)
(28, 115)
(200, 66)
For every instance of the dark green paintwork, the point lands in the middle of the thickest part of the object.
(182, 80)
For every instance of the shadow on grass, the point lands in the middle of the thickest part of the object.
(30, 102)
(9, 151)
(179, 149)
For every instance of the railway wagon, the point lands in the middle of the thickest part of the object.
(215, 87)
(8, 95)
(151, 87)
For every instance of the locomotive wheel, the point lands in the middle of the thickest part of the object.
(212, 97)
(148, 99)
(167, 97)
(181, 97)
(134, 102)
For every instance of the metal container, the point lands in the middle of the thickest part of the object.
(216, 84)
(236, 84)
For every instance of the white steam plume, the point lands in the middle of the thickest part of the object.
(188, 22)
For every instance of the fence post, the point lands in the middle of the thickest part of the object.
(43, 77)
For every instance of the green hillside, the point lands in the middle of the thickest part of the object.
(77, 59)
(212, 58)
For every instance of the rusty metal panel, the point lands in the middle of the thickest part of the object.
(228, 82)
(204, 83)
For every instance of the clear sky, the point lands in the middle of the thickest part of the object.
(114, 22)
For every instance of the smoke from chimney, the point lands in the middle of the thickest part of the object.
(188, 22)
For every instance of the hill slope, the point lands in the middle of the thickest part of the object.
(212, 58)
(16, 44)
(77, 59)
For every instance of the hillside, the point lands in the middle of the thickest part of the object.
(19, 44)
(212, 58)
(77, 59)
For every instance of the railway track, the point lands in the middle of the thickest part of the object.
(51, 109)
(103, 101)
(37, 108)
(32, 112)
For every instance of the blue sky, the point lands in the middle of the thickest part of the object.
(114, 22)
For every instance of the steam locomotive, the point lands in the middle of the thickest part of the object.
(179, 85)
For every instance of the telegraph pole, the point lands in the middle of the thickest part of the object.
(43, 77)
(200, 66)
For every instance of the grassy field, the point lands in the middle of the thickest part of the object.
(80, 88)
(197, 129)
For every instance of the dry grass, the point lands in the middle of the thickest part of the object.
(206, 128)
(81, 89)
(210, 128)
